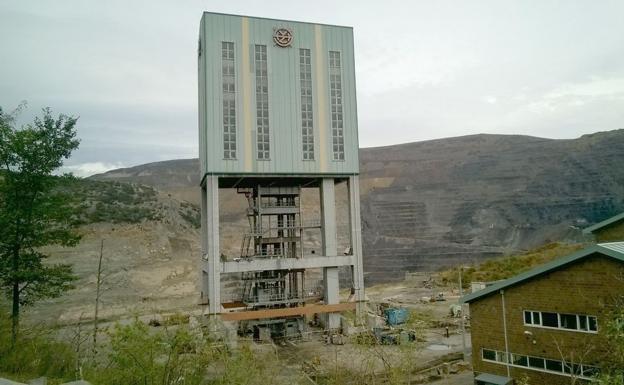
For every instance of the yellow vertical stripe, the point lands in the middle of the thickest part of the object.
(321, 96)
(247, 121)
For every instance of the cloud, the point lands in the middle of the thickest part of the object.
(424, 70)
(579, 94)
(490, 99)
(595, 87)
(87, 169)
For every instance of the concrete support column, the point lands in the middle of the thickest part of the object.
(203, 281)
(331, 287)
(211, 274)
(329, 238)
(355, 230)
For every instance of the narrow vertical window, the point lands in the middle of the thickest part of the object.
(262, 102)
(229, 100)
(335, 87)
(307, 120)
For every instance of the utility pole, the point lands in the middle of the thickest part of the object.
(461, 304)
(97, 300)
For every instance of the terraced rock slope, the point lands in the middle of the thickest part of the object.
(442, 202)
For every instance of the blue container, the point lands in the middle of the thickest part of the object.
(396, 316)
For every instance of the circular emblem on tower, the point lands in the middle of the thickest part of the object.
(282, 36)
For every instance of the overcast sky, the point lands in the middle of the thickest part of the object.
(425, 69)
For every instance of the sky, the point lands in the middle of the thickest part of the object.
(424, 69)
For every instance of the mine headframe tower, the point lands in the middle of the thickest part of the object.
(277, 116)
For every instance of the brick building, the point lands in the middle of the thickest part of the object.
(547, 324)
(609, 230)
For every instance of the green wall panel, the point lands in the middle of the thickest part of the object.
(286, 155)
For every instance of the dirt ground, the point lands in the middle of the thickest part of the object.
(435, 347)
(463, 378)
(441, 340)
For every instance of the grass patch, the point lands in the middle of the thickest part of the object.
(36, 354)
(507, 267)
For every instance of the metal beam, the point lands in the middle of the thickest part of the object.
(288, 311)
(245, 265)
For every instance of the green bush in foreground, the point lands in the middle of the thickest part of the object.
(37, 354)
(136, 354)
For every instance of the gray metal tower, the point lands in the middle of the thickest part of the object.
(277, 115)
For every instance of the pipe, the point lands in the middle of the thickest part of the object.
(502, 292)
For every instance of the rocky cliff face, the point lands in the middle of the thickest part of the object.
(437, 203)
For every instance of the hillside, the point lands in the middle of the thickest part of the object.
(150, 248)
(435, 203)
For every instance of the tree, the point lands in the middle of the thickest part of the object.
(612, 366)
(35, 211)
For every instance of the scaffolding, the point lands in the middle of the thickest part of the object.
(275, 231)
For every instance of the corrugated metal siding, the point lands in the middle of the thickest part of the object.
(284, 97)
(615, 246)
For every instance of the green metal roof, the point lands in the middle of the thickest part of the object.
(605, 223)
(278, 20)
(614, 250)
(493, 379)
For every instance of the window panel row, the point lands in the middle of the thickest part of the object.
(575, 322)
(540, 363)
(335, 87)
(262, 105)
(307, 116)
(229, 100)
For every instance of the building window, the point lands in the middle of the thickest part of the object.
(536, 362)
(229, 100)
(488, 354)
(541, 364)
(307, 120)
(568, 321)
(262, 102)
(590, 371)
(550, 320)
(570, 368)
(335, 88)
(520, 360)
(501, 357)
(575, 322)
(554, 365)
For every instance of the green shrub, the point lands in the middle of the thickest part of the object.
(114, 202)
(138, 356)
(36, 353)
(190, 213)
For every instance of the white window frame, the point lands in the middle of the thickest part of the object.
(229, 121)
(559, 323)
(307, 100)
(564, 364)
(263, 129)
(336, 105)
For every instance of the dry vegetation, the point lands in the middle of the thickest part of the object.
(506, 267)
